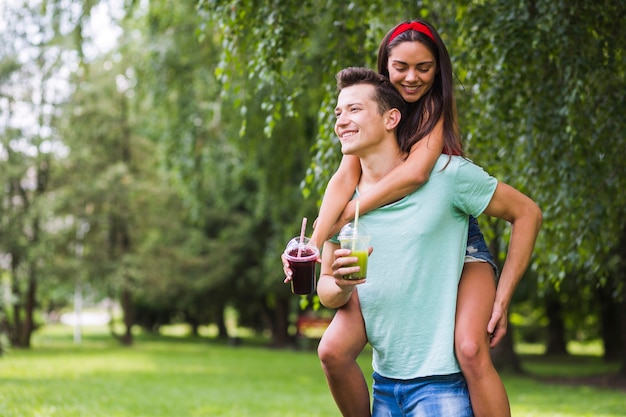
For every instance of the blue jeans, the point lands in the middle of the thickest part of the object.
(436, 396)
(477, 249)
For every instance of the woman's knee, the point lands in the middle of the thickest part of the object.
(328, 352)
(471, 349)
(468, 351)
(334, 355)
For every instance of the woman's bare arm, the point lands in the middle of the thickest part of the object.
(403, 180)
(339, 191)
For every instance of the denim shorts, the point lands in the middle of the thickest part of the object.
(434, 396)
(477, 250)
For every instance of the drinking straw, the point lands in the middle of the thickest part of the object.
(356, 225)
(302, 230)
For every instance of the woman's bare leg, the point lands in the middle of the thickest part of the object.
(338, 350)
(477, 290)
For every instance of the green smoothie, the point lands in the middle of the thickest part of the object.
(362, 262)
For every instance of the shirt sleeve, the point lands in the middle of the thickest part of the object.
(474, 188)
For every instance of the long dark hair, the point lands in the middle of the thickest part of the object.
(422, 116)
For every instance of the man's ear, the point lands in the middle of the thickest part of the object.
(393, 119)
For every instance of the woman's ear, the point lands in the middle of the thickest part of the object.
(393, 119)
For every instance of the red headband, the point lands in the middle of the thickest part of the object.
(420, 27)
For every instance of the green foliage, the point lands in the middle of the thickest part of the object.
(199, 134)
(289, 50)
(544, 113)
(539, 97)
(29, 101)
(540, 102)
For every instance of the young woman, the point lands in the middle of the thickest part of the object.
(414, 58)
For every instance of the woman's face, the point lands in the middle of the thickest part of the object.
(412, 70)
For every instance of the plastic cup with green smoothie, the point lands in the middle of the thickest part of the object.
(356, 239)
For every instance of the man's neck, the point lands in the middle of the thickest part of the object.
(377, 164)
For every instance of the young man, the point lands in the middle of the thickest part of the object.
(408, 300)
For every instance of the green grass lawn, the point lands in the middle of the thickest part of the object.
(179, 377)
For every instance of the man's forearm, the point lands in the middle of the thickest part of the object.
(524, 233)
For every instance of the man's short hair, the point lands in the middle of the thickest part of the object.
(385, 94)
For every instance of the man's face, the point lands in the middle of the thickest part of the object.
(412, 70)
(359, 125)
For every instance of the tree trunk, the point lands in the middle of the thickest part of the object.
(555, 343)
(119, 236)
(609, 323)
(220, 320)
(622, 309)
(127, 309)
(14, 330)
(3, 330)
(29, 309)
(280, 331)
(194, 327)
(31, 290)
(621, 305)
(621, 302)
(126, 304)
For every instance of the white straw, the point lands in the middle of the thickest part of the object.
(302, 230)
(356, 225)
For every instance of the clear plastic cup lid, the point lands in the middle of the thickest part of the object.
(349, 231)
(309, 251)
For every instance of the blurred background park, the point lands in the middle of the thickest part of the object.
(157, 155)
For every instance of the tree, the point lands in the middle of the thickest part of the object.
(549, 72)
(133, 215)
(539, 100)
(32, 58)
(239, 177)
